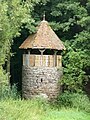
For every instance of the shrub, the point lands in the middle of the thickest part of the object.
(63, 100)
(80, 101)
(75, 100)
(7, 92)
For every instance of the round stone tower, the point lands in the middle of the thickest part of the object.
(42, 66)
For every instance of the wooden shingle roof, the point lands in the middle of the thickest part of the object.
(44, 38)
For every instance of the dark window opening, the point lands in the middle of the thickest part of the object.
(41, 80)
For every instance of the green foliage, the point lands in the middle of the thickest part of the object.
(69, 12)
(74, 75)
(14, 14)
(73, 22)
(3, 76)
(34, 110)
(81, 102)
(8, 93)
(74, 100)
(76, 61)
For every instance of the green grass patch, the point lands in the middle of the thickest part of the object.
(37, 110)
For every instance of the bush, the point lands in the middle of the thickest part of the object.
(80, 101)
(63, 100)
(7, 92)
(75, 100)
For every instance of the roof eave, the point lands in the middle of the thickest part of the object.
(42, 48)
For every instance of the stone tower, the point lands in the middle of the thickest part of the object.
(42, 64)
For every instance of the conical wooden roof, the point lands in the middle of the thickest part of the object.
(44, 38)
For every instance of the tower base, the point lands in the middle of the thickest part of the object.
(40, 80)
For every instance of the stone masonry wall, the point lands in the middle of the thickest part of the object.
(40, 80)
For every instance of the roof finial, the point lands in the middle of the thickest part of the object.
(44, 16)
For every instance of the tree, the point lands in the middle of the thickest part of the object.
(13, 15)
(72, 19)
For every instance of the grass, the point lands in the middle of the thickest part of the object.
(37, 110)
